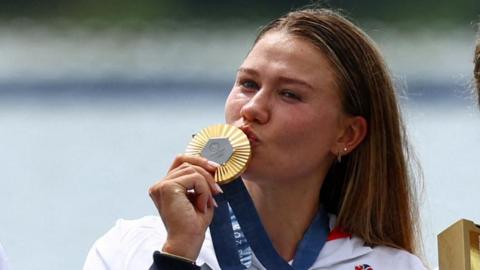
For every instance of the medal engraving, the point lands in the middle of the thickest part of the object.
(218, 150)
(224, 144)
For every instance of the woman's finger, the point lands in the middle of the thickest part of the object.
(201, 188)
(210, 179)
(186, 168)
(181, 170)
(184, 184)
(194, 160)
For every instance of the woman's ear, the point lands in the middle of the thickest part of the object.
(354, 130)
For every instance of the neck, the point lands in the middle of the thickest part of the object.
(286, 211)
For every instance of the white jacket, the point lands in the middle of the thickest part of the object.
(130, 245)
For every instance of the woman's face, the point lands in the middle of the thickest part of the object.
(286, 100)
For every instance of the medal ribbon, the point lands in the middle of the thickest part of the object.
(236, 195)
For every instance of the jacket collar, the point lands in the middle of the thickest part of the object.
(339, 248)
(334, 252)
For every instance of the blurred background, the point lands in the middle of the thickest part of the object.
(96, 98)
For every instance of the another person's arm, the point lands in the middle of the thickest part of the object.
(3, 259)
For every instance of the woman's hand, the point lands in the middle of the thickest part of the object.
(184, 199)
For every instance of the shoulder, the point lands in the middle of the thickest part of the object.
(129, 244)
(145, 225)
(133, 232)
(401, 259)
(351, 253)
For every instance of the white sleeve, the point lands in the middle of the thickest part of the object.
(384, 257)
(128, 245)
(3, 259)
(104, 252)
(413, 262)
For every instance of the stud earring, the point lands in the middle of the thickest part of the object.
(339, 156)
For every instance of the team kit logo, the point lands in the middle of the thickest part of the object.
(363, 267)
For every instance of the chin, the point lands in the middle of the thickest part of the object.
(251, 174)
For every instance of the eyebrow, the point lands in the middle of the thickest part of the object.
(283, 79)
(248, 70)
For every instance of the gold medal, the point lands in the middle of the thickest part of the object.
(226, 145)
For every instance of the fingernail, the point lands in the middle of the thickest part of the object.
(214, 202)
(213, 164)
(218, 188)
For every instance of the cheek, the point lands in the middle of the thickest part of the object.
(315, 135)
(233, 105)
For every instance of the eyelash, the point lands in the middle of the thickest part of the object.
(251, 85)
(288, 94)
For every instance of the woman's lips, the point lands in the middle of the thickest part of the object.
(252, 137)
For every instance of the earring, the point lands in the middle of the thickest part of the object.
(339, 156)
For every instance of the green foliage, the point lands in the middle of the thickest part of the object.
(219, 11)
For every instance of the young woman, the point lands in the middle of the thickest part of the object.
(318, 106)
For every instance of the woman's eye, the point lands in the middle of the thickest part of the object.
(290, 95)
(248, 84)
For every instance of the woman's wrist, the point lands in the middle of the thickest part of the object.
(165, 261)
(177, 257)
(182, 249)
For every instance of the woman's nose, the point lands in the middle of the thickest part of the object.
(257, 109)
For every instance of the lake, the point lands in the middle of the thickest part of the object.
(85, 130)
(74, 163)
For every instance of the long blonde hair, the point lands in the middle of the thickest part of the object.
(370, 190)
